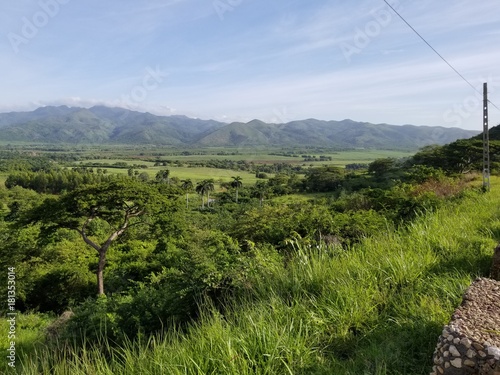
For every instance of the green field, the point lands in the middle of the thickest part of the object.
(340, 158)
(193, 173)
(182, 170)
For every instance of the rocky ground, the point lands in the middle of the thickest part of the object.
(470, 344)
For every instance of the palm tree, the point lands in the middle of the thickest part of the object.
(236, 183)
(205, 186)
(187, 185)
(209, 185)
(261, 189)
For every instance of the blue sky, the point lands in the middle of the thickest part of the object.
(236, 60)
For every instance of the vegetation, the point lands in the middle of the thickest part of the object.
(120, 126)
(331, 270)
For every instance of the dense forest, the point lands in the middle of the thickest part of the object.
(145, 269)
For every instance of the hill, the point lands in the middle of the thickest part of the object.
(493, 132)
(103, 125)
(346, 133)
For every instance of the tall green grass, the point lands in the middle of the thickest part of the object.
(376, 308)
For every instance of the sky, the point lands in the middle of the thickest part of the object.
(238, 60)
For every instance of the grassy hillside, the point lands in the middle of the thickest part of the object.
(376, 308)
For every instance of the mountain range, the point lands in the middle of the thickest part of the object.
(104, 125)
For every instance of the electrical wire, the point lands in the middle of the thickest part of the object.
(437, 53)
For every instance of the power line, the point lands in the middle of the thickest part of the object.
(437, 53)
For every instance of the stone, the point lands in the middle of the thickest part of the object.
(457, 363)
(454, 351)
(446, 354)
(481, 354)
(456, 340)
(469, 363)
(447, 364)
(470, 353)
(494, 351)
(466, 342)
(440, 370)
(450, 338)
(477, 346)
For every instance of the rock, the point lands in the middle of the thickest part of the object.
(454, 351)
(470, 353)
(470, 343)
(469, 363)
(466, 342)
(457, 363)
(477, 346)
(493, 351)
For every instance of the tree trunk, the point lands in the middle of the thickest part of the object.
(187, 200)
(236, 195)
(100, 271)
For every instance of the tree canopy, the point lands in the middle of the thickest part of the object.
(116, 204)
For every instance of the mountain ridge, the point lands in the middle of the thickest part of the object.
(106, 125)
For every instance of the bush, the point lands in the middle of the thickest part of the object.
(207, 266)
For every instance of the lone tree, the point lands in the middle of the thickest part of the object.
(260, 190)
(236, 183)
(117, 205)
(187, 186)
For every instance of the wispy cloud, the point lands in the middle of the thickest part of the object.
(262, 57)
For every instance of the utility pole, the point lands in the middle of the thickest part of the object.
(486, 141)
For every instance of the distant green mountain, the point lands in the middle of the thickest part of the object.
(103, 125)
(346, 133)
